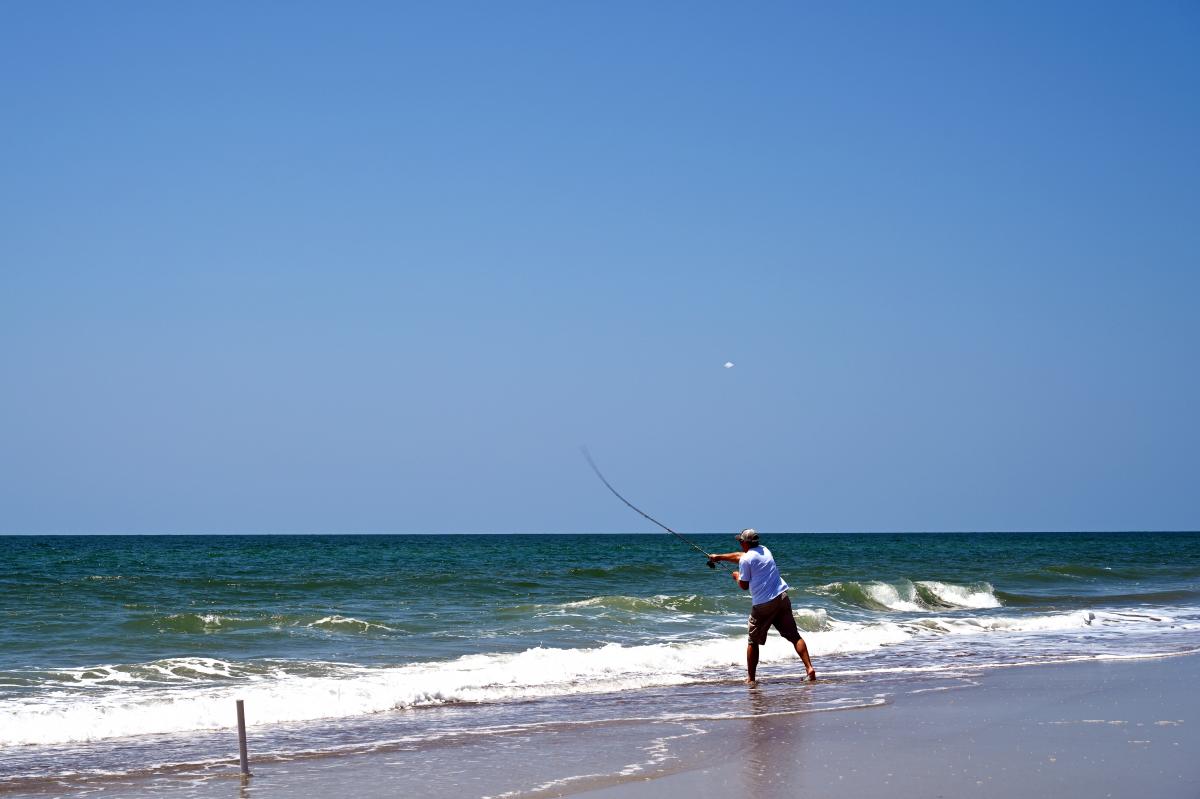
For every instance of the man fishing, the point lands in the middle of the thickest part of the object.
(758, 574)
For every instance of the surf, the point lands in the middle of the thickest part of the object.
(189, 694)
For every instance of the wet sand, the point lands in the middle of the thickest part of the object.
(1096, 729)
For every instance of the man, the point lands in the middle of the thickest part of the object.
(758, 574)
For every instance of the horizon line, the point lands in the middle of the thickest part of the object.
(11, 534)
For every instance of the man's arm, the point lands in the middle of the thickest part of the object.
(733, 557)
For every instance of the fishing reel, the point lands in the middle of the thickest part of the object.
(712, 564)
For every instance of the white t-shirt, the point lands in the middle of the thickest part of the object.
(758, 568)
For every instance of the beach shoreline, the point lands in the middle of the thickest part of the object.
(1101, 728)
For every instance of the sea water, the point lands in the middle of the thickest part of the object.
(123, 655)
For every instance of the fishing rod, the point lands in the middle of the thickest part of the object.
(711, 563)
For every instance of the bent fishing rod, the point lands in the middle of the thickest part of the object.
(711, 563)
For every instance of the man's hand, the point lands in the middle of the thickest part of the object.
(736, 577)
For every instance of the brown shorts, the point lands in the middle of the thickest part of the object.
(777, 613)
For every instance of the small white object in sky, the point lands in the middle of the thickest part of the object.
(729, 364)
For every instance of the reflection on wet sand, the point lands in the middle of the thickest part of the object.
(769, 767)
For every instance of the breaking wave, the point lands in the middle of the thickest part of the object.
(188, 694)
(909, 595)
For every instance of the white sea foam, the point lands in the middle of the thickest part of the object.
(186, 694)
(208, 619)
(889, 595)
(985, 624)
(347, 621)
(185, 671)
(978, 596)
(345, 690)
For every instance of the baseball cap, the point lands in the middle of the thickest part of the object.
(749, 536)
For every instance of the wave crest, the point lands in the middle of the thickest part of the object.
(222, 621)
(909, 595)
(687, 603)
(337, 622)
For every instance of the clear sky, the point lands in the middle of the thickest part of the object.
(319, 267)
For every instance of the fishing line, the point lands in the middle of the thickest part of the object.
(617, 494)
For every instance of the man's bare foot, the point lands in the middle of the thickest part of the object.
(751, 683)
(812, 675)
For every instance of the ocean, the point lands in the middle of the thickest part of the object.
(122, 656)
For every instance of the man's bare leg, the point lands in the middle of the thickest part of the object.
(751, 662)
(802, 651)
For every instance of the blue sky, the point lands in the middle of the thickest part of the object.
(383, 267)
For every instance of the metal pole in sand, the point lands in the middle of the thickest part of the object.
(241, 713)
